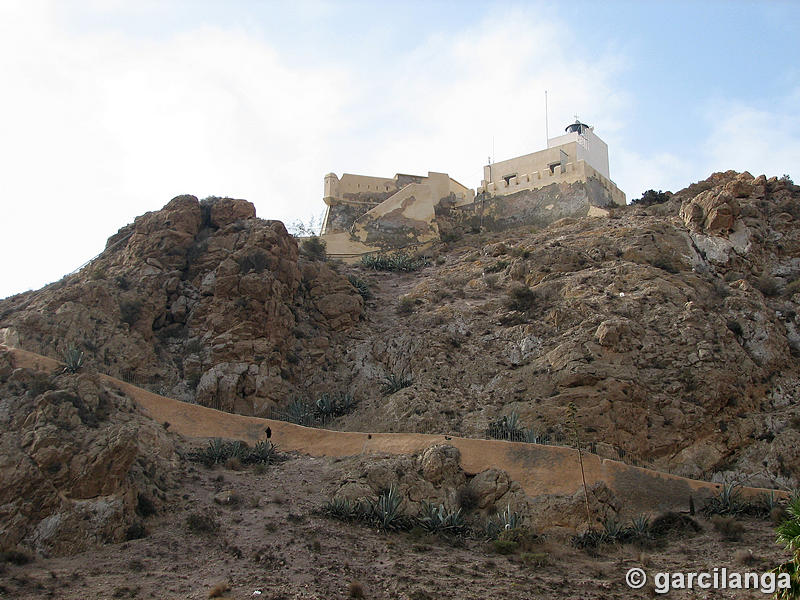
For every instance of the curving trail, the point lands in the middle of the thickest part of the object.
(540, 470)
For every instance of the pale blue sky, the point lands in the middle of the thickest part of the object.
(112, 107)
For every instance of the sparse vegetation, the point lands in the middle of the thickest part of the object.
(405, 305)
(398, 261)
(361, 287)
(314, 248)
(129, 311)
(220, 451)
(651, 197)
(199, 522)
(219, 590)
(73, 360)
(394, 383)
(355, 590)
(729, 528)
(520, 297)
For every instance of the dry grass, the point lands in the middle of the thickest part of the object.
(219, 590)
(729, 528)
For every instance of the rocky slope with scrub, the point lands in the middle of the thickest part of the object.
(672, 327)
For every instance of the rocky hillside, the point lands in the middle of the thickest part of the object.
(672, 327)
(80, 465)
(201, 300)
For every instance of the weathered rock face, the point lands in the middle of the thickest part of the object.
(75, 459)
(675, 336)
(200, 299)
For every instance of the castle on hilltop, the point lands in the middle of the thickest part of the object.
(570, 178)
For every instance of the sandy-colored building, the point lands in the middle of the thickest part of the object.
(578, 155)
(369, 214)
(570, 178)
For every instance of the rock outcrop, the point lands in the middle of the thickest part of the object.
(201, 300)
(80, 466)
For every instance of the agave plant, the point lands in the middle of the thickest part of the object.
(342, 509)
(613, 531)
(640, 526)
(264, 453)
(300, 413)
(325, 408)
(385, 511)
(727, 502)
(437, 519)
(215, 452)
(394, 383)
(73, 359)
(504, 521)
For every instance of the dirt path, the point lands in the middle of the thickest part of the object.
(539, 469)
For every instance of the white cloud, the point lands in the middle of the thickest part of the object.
(98, 128)
(101, 127)
(755, 139)
(444, 105)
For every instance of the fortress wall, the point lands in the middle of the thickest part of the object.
(529, 163)
(535, 206)
(569, 173)
(405, 218)
(340, 216)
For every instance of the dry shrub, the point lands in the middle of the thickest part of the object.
(355, 590)
(233, 463)
(219, 590)
(467, 498)
(729, 528)
(746, 558)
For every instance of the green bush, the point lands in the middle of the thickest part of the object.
(500, 265)
(651, 197)
(520, 297)
(361, 287)
(505, 546)
(314, 248)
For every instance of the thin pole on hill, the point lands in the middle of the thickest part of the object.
(571, 411)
